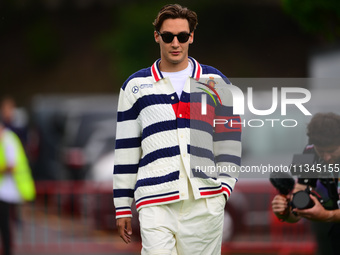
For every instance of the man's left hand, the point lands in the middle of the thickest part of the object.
(316, 213)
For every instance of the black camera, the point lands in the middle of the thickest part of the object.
(284, 183)
(309, 169)
(302, 200)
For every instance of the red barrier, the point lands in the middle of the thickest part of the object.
(269, 236)
(78, 217)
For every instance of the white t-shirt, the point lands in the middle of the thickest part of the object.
(179, 78)
(8, 189)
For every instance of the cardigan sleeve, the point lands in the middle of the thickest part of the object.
(127, 154)
(227, 144)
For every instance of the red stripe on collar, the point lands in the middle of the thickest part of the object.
(199, 71)
(154, 71)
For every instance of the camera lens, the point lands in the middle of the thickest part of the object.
(301, 200)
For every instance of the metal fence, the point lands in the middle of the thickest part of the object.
(78, 218)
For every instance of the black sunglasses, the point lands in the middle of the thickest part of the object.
(168, 37)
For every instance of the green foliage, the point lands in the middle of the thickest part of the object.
(130, 44)
(321, 17)
(42, 43)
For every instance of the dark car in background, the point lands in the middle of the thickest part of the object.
(71, 133)
(88, 134)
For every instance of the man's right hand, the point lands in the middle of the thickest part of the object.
(280, 205)
(124, 228)
(282, 209)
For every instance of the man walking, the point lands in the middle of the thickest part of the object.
(180, 211)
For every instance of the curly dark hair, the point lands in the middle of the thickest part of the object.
(324, 129)
(174, 11)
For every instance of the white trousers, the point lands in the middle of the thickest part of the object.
(188, 227)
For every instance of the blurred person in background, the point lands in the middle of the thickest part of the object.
(178, 213)
(323, 132)
(16, 183)
(12, 119)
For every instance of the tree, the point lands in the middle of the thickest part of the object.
(320, 17)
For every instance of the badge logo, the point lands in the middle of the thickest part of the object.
(135, 89)
(211, 82)
(211, 85)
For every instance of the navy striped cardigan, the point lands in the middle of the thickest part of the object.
(153, 150)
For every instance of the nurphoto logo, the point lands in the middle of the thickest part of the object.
(240, 101)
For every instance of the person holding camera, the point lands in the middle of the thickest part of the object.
(323, 132)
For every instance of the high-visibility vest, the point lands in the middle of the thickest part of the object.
(21, 172)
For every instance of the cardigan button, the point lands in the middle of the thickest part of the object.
(172, 98)
(180, 115)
